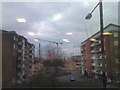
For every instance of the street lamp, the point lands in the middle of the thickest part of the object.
(102, 39)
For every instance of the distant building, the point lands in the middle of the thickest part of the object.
(17, 58)
(91, 54)
(37, 66)
(70, 65)
(77, 59)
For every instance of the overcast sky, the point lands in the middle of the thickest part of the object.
(52, 20)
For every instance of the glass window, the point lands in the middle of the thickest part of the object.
(115, 34)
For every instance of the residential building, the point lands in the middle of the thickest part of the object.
(83, 57)
(91, 54)
(9, 57)
(77, 59)
(37, 66)
(70, 65)
(17, 56)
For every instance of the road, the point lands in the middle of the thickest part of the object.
(64, 81)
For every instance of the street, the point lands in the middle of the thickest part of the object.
(64, 81)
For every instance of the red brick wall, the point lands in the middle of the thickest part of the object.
(88, 64)
(107, 54)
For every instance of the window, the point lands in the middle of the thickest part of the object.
(116, 43)
(117, 60)
(19, 46)
(14, 46)
(115, 34)
(30, 51)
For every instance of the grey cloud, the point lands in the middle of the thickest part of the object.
(73, 20)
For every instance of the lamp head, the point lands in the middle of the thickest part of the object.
(88, 16)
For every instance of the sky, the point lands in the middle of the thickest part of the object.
(52, 20)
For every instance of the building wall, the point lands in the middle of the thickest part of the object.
(107, 54)
(114, 57)
(8, 60)
(83, 57)
(15, 59)
(112, 49)
(88, 64)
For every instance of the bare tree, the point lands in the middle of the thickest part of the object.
(53, 52)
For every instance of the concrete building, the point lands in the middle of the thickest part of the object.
(77, 59)
(9, 56)
(37, 66)
(91, 54)
(17, 58)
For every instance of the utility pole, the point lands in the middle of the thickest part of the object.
(39, 51)
(102, 45)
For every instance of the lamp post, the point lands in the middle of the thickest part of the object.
(102, 39)
(39, 51)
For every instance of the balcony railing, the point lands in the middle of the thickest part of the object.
(20, 43)
(93, 70)
(19, 65)
(92, 45)
(20, 50)
(93, 51)
(93, 64)
(93, 57)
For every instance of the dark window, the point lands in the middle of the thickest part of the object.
(19, 69)
(19, 62)
(19, 46)
(30, 51)
(24, 76)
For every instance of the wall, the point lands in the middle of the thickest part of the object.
(88, 64)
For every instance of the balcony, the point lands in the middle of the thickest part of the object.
(93, 64)
(93, 71)
(78, 63)
(93, 57)
(20, 50)
(19, 81)
(99, 57)
(100, 64)
(20, 43)
(31, 54)
(19, 65)
(97, 44)
(117, 61)
(19, 69)
(92, 45)
(100, 72)
(20, 58)
(93, 51)
(19, 74)
(23, 66)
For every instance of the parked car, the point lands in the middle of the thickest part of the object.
(72, 78)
